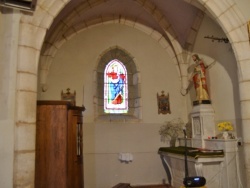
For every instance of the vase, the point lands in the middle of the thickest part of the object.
(225, 135)
(172, 142)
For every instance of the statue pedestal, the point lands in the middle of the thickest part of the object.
(203, 125)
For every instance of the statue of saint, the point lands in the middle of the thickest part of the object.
(199, 79)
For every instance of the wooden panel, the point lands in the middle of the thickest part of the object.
(75, 154)
(59, 156)
(51, 145)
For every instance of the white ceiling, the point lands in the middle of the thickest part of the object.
(179, 14)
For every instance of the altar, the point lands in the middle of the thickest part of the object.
(207, 163)
(215, 159)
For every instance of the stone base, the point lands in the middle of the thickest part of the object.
(201, 102)
(203, 125)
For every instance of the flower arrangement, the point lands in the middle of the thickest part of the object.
(172, 129)
(225, 126)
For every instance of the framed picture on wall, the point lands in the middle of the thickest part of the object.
(163, 103)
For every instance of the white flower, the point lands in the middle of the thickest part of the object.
(172, 129)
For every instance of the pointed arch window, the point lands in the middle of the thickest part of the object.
(116, 63)
(115, 88)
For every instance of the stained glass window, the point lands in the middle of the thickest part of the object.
(115, 88)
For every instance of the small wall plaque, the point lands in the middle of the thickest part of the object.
(163, 103)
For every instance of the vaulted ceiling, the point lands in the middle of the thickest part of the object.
(164, 16)
(173, 23)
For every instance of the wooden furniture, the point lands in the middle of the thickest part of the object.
(59, 156)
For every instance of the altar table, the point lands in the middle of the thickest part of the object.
(206, 163)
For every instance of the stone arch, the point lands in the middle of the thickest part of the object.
(32, 30)
(32, 33)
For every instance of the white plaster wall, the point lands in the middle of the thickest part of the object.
(103, 143)
(75, 62)
(73, 67)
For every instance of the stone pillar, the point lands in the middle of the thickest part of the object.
(9, 32)
(245, 115)
(26, 96)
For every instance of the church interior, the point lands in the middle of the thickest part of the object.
(184, 76)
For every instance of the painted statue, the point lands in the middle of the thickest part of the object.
(199, 79)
